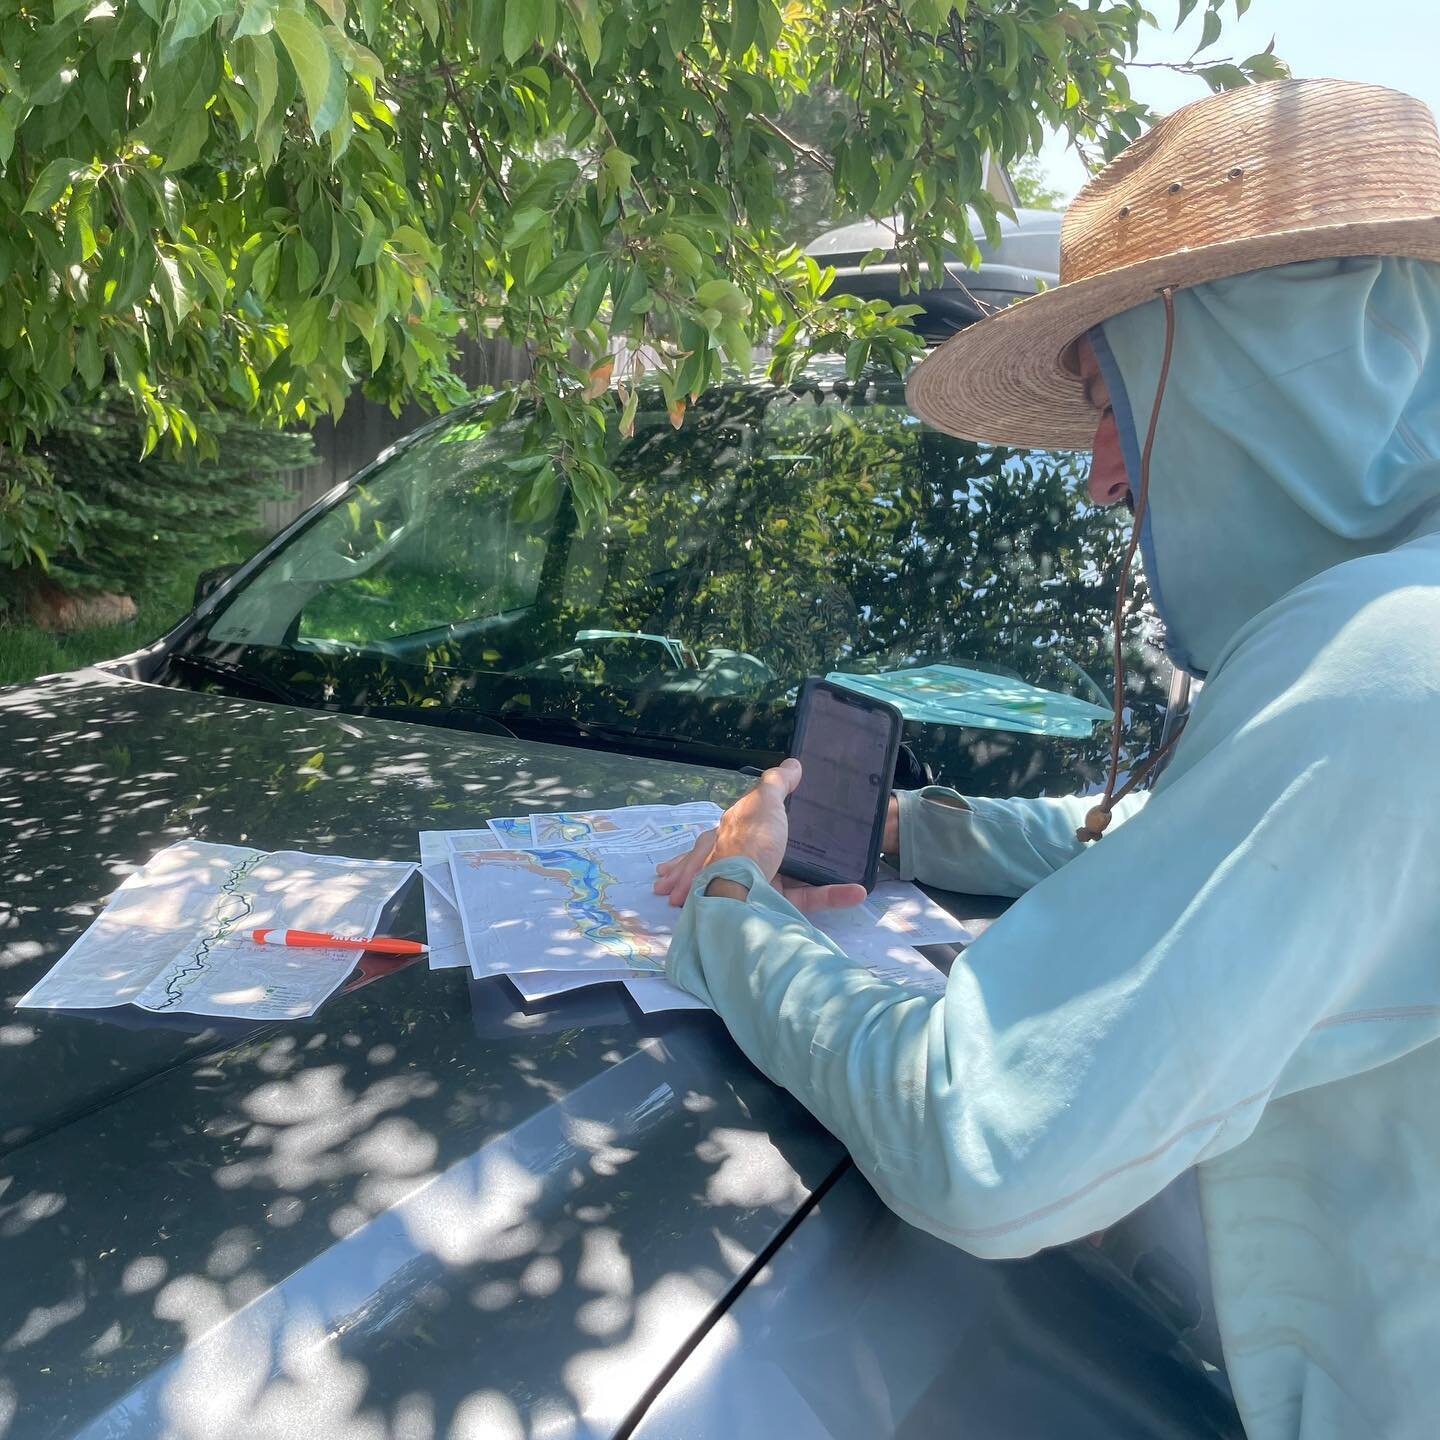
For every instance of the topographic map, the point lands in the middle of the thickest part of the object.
(175, 937)
(638, 826)
(566, 829)
(577, 908)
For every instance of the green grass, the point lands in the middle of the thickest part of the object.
(27, 651)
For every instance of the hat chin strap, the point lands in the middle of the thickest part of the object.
(1097, 819)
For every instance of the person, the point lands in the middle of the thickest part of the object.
(1241, 977)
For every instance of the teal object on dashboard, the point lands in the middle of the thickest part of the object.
(955, 695)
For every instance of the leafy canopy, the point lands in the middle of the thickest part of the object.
(262, 203)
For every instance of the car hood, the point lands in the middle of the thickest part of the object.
(423, 1211)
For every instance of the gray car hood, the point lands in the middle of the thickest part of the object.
(424, 1211)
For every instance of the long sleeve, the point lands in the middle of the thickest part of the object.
(1240, 938)
(991, 847)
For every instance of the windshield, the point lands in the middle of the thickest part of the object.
(779, 533)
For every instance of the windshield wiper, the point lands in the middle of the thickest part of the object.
(563, 729)
(238, 675)
(441, 717)
(601, 729)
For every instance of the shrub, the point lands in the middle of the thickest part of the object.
(138, 514)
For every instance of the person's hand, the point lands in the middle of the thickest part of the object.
(755, 826)
(890, 841)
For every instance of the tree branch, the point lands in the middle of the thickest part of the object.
(809, 152)
(477, 142)
(585, 95)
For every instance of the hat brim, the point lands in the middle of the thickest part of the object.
(1005, 380)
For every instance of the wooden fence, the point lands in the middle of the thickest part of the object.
(366, 429)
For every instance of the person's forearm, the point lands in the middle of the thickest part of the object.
(988, 847)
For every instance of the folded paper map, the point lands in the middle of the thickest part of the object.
(175, 937)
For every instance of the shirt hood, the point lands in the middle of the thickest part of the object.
(1300, 428)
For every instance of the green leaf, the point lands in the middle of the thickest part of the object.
(1186, 6)
(856, 354)
(627, 414)
(89, 360)
(627, 303)
(51, 184)
(307, 265)
(263, 70)
(79, 228)
(372, 242)
(771, 23)
(522, 28)
(744, 21)
(187, 139)
(256, 18)
(587, 29)
(524, 226)
(557, 272)
(592, 292)
(7, 131)
(1267, 66)
(335, 106)
(1050, 37)
(310, 56)
(614, 172)
(1210, 31)
(681, 254)
(429, 13)
(683, 24)
(1009, 44)
(378, 341)
(724, 296)
(262, 275)
(1223, 77)
(736, 344)
(173, 293)
(194, 17)
(486, 23)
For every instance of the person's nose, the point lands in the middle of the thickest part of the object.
(1107, 491)
(1107, 483)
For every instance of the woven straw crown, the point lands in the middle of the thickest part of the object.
(1265, 175)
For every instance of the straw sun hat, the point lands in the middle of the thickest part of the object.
(1265, 175)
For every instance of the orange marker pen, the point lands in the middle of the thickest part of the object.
(314, 940)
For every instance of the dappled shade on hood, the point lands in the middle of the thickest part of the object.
(1300, 428)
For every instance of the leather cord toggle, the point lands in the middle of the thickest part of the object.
(1097, 819)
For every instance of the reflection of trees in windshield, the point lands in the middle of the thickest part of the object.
(851, 537)
(778, 534)
(835, 532)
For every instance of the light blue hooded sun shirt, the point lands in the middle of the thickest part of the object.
(1243, 976)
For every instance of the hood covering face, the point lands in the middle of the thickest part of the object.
(1300, 428)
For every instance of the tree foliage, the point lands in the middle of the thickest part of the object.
(263, 203)
(1032, 185)
(140, 513)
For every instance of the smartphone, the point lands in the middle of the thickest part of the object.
(846, 745)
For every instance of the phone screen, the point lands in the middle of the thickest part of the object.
(846, 756)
